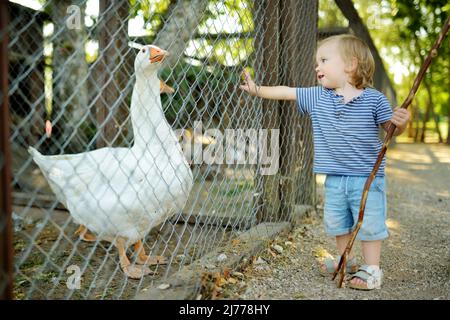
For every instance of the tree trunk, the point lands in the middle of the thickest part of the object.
(266, 15)
(113, 70)
(69, 78)
(448, 102)
(429, 108)
(284, 54)
(426, 117)
(297, 49)
(417, 131)
(184, 20)
(431, 104)
(411, 131)
(380, 77)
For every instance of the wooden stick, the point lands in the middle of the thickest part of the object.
(433, 53)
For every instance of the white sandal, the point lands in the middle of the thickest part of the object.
(371, 275)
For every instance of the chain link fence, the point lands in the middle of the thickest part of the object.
(136, 184)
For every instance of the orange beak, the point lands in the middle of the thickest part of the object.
(157, 55)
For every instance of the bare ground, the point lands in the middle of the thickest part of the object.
(415, 258)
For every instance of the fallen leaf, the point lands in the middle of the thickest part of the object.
(232, 280)
(272, 253)
(164, 286)
(320, 252)
(221, 281)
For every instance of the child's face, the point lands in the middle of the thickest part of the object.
(331, 69)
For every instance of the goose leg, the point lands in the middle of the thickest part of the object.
(82, 231)
(132, 271)
(145, 259)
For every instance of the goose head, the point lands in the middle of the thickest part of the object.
(149, 59)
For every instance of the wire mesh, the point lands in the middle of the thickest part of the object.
(173, 174)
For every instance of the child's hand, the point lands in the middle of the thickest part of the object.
(400, 118)
(248, 85)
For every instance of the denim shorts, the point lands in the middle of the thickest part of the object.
(342, 201)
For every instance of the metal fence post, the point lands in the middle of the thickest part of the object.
(6, 251)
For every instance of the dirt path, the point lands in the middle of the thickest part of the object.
(415, 258)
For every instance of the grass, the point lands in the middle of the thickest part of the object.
(240, 186)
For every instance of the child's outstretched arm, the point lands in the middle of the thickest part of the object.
(274, 93)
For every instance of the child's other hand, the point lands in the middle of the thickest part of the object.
(400, 117)
(248, 84)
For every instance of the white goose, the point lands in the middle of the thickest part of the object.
(120, 194)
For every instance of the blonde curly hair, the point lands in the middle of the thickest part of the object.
(353, 47)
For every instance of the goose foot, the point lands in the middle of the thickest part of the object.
(136, 272)
(132, 271)
(84, 234)
(151, 260)
(145, 259)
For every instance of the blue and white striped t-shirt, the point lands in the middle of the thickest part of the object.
(346, 140)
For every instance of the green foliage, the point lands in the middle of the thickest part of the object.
(421, 23)
(197, 87)
(213, 63)
(330, 15)
(239, 11)
(403, 32)
(152, 11)
(409, 30)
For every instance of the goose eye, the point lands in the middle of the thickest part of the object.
(143, 50)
